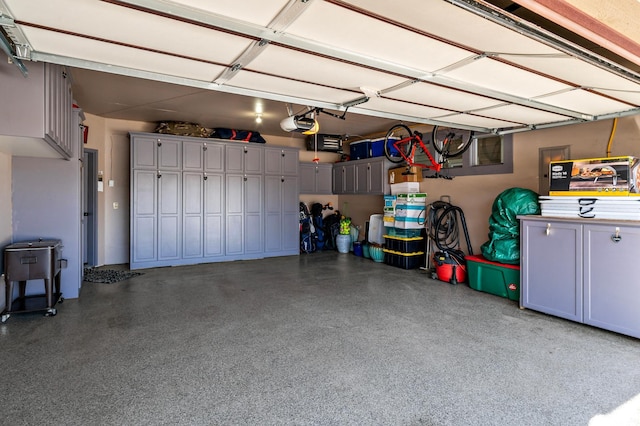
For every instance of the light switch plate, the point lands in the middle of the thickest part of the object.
(116, 205)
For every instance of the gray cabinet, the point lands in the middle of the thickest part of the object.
(156, 217)
(202, 156)
(611, 293)
(203, 215)
(344, 175)
(281, 215)
(144, 153)
(214, 216)
(579, 270)
(38, 107)
(316, 178)
(368, 176)
(199, 200)
(551, 268)
(156, 153)
(193, 214)
(203, 198)
(144, 207)
(243, 215)
(244, 158)
(281, 201)
(281, 161)
(169, 215)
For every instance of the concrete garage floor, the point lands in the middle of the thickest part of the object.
(320, 339)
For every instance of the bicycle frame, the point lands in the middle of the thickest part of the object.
(413, 141)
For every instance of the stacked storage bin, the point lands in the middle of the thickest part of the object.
(359, 150)
(404, 243)
(389, 217)
(404, 252)
(411, 211)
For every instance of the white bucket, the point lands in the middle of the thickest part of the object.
(376, 229)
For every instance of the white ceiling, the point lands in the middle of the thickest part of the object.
(460, 62)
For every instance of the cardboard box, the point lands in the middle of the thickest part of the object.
(609, 176)
(401, 174)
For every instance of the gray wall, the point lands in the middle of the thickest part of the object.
(46, 204)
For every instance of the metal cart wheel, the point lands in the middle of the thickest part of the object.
(51, 312)
(5, 317)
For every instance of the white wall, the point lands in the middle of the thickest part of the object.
(5, 203)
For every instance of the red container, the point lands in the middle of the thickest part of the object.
(448, 269)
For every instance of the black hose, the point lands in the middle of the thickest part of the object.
(445, 245)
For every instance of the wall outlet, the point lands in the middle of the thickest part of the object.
(116, 205)
(111, 183)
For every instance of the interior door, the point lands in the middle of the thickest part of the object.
(89, 215)
(84, 214)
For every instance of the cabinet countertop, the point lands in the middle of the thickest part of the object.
(540, 218)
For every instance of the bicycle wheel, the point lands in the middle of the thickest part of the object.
(451, 142)
(403, 136)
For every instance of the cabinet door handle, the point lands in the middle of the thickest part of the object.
(159, 175)
(548, 231)
(616, 237)
(205, 177)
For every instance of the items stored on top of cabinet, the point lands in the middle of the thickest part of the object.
(195, 200)
(609, 176)
(184, 128)
(37, 108)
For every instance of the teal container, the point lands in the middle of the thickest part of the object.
(365, 251)
(376, 253)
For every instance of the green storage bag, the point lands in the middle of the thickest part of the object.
(504, 229)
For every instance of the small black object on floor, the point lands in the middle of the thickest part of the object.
(108, 276)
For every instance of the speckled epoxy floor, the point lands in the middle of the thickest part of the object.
(319, 339)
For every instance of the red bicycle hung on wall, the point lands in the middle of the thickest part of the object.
(401, 144)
